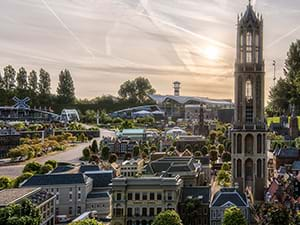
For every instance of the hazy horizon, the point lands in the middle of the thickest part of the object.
(103, 43)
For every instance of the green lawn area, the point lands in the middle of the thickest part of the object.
(277, 120)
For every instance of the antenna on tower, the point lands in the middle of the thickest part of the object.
(274, 66)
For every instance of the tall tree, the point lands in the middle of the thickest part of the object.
(1, 82)
(136, 90)
(234, 216)
(44, 84)
(65, 89)
(9, 77)
(33, 81)
(22, 79)
(287, 89)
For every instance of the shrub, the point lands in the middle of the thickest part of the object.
(53, 163)
(5, 182)
(45, 169)
(86, 153)
(32, 167)
(22, 178)
(112, 158)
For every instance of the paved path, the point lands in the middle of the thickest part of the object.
(71, 155)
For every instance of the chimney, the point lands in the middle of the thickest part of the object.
(176, 88)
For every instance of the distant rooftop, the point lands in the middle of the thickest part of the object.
(9, 196)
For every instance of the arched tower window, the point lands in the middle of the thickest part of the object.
(242, 48)
(248, 89)
(239, 143)
(249, 47)
(259, 145)
(259, 168)
(256, 48)
(239, 168)
(249, 170)
(249, 144)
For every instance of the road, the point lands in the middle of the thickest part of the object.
(71, 155)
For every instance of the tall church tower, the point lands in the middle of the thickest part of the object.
(249, 155)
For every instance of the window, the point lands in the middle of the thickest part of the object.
(239, 168)
(70, 189)
(159, 196)
(78, 210)
(129, 211)
(248, 89)
(144, 211)
(170, 197)
(249, 47)
(137, 196)
(119, 196)
(151, 196)
(79, 197)
(137, 211)
(158, 210)
(70, 210)
(70, 197)
(129, 196)
(259, 168)
(144, 196)
(151, 211)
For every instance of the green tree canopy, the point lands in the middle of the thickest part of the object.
(65, 89)
(22, 79)
(24, 213)
(9, 77)
(234, 216)
(168, 217)
(86, 222)
(44, 84)
(33, 81)
(105, 153)
(136, 90)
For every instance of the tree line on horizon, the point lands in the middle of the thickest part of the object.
(37, 86)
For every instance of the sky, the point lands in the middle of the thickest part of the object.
(106, 42)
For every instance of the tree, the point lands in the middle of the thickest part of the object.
(53, 163)
(24, 213)
(86, 222)
(9, 77)
(22, 79)
(126, 125)
(226, 157)
(86, 153)
(168, 217)
(32, 167)
(234, 216)
(94, 147)
(221, 149)
(213, 154)
(136, 90)
(224, 178)
(46, 168)
(44, 84)
(5, 182)
(113, 158)
(204, 150)
(22, 178)
(33, 81)
(1, 82)
(136, 151)
(286, 91)
(105, 153)
(65, 89)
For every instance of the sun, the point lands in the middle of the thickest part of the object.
(212, 53)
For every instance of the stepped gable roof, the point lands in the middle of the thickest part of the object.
(100, 178)
(201, 192)
(229, 196)
(56, 179)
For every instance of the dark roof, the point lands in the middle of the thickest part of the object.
(229, 195)
(98, 195)
(63, 169)
(171, 164)
(86, 168)
(249, 15)
(296, 165)
(196, 192)
(100, 178)
(204, 160)
(290, 152)
(53, 179)
(179, 168)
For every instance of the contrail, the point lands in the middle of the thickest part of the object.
(283, 37)
(69, 30)
(189, 32)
